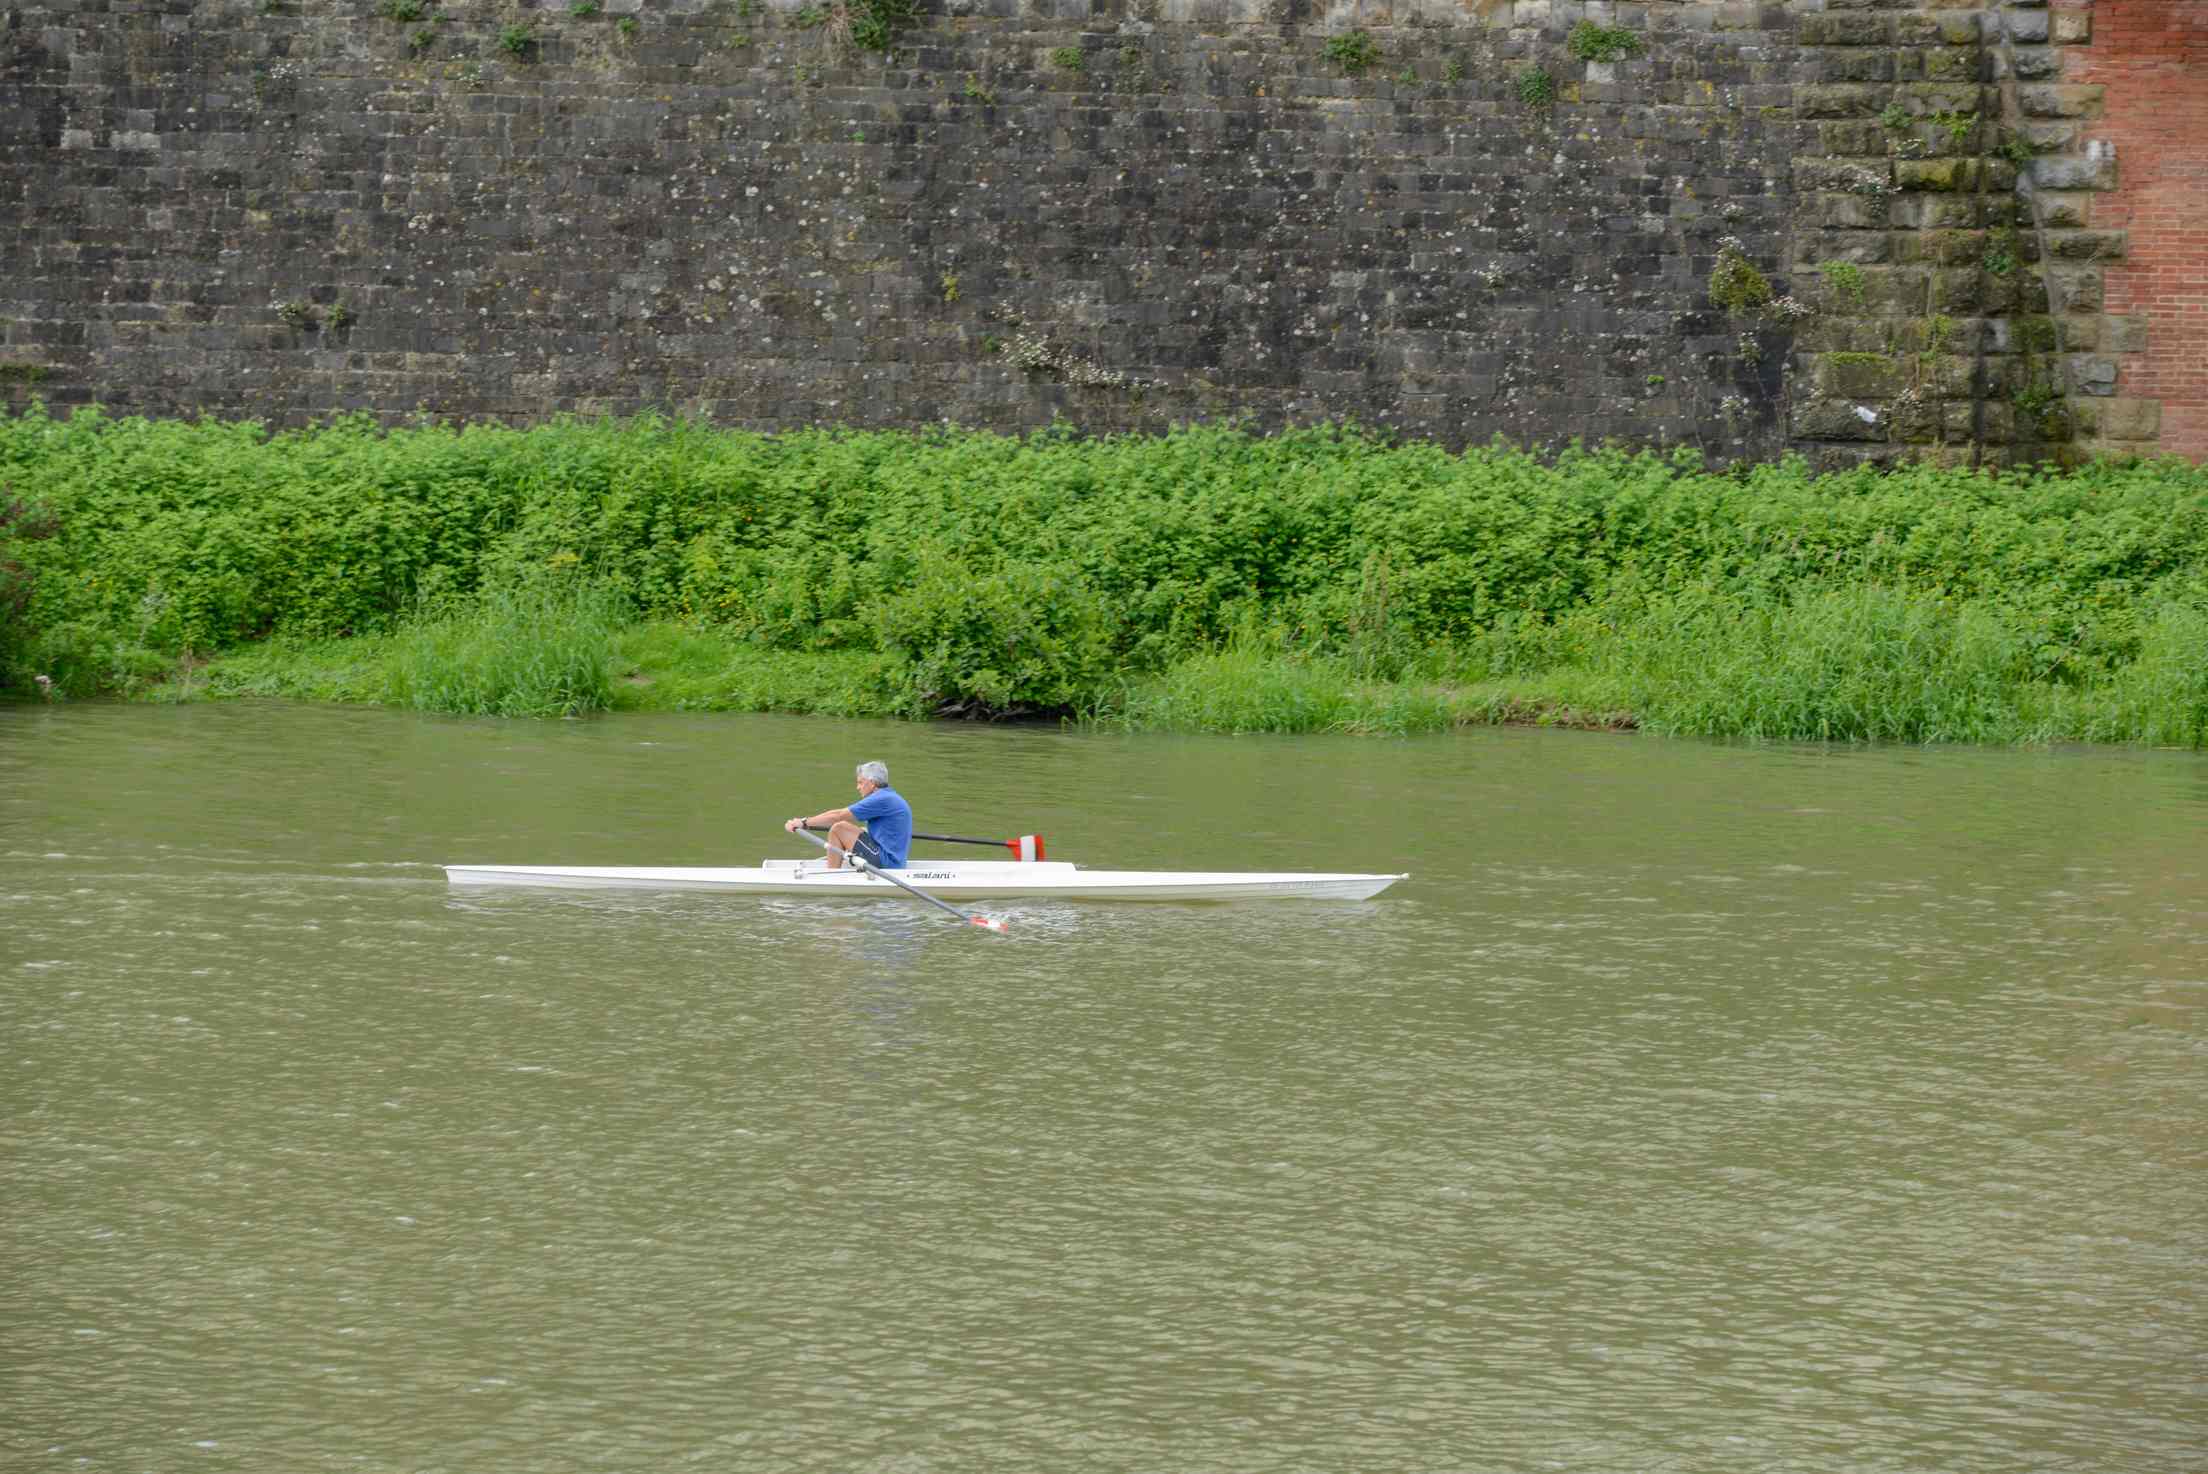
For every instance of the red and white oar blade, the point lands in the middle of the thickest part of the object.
(986, 924)
(1026, 847)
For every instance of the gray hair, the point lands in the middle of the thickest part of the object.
(875, 773)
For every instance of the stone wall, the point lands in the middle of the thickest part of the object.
(1444, 217)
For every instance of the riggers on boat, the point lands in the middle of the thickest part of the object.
(957, 880)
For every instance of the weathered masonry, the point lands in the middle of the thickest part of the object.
(1857, 228)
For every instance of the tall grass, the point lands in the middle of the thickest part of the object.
(1244, 690)
(543, 649)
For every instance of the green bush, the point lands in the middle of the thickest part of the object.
(1015, 641)
(991, 574)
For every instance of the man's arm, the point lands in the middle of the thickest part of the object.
(819, 821)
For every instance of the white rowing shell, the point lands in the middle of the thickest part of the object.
(964, 880)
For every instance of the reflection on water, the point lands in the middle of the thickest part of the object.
(1691, 1107)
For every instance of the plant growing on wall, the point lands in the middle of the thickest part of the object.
(1353, 51)
(2000, 257)
(1590, 42)
(1536, 88)
(1846, 280)
(1735, 283)
(868, 25)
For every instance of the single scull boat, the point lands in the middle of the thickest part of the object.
(962, 880)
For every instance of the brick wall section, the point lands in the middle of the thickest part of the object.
(2150, 58)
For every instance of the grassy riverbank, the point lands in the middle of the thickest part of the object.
(1205, 580)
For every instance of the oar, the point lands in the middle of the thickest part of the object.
(1027, 846)
(951, 911)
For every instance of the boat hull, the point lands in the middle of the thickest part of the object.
(968, 881)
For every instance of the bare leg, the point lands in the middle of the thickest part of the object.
(843, 837)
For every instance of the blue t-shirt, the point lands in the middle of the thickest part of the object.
(888, 820)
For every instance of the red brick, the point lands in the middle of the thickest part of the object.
(2151, 57)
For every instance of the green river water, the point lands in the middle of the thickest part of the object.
(1692, 1107)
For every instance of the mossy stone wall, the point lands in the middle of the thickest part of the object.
(1450, 219)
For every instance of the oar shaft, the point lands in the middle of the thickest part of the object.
(860, 864)
(1027, 846)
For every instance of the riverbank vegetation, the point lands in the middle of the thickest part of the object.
(1209, 579)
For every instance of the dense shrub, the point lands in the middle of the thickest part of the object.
(1049, 573)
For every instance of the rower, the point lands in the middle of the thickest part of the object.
(887, 838)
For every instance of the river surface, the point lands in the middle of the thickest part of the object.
(1692, 1107)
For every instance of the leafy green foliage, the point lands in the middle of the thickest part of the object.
(1846, 280)
(1735, 283)
(1591, 42)
(1353, 51)
(985, 574)
(1535, 86)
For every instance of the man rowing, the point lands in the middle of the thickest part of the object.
(887, 837)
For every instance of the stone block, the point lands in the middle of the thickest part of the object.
(1838, 419)
(1936, 175)
(2129, 419)
(1854, 137)
(1850, 211)
(2070, 172)
(2073, 28)
(1856, 375)
(2075, 289)
(1861, 247)
(2059, 100)
(1838, 101)
(2124, 334)
(1942, 248)
(1845, 28)
(2090, 373)
(1852, 64)
(1937, 211)
(1952, 63)
(2086, 245)
(2063, 211)
(1949, 28)
(2079, 332)
(1926, 98)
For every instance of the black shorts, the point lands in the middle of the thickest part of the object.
(867, 850)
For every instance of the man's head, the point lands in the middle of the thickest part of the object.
(874, 775)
